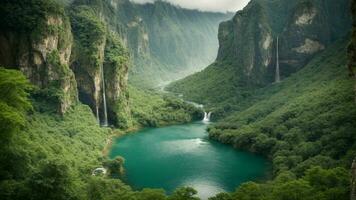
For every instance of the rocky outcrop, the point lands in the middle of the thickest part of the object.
(43, 56)
(247, 43)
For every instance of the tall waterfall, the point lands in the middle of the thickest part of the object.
(207, 117)
(104, 98)
(278, 77)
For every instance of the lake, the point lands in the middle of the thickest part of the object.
(183, 155)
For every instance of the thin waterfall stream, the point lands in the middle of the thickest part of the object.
(105, 123)
(278, 77)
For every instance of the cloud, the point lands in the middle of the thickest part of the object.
(206, 5)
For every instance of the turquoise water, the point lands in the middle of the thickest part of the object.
(183, 155)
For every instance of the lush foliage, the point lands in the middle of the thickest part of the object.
(317, 183)
(31, 15)
(308, 120)
(14, 102)
(89, 33)
(151, 109)
(116, 65)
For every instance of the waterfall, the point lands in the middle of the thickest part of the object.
(104, 98)
(97, 114)
(278, 78)
(207, 117)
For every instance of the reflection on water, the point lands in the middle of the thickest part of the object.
(176, 156)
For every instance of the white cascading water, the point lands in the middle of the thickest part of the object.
(278, 77)
(97, 114)
(207, 117)
(104, 98)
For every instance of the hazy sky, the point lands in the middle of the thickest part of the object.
(207, 5)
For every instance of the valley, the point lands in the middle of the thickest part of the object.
(103, 100)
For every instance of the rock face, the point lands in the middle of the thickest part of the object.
(43, 56)
(307, 28)
(47, 44)
(247, 42)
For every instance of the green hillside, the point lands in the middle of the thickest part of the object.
(305, 125)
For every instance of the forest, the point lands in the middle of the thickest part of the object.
(75, 75)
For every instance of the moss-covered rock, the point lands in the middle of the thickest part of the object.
(36, 38)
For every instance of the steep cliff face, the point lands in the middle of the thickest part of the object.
(97, 50)
(36, 37)
(40, 47)
(116, 66)
(88, 55)
(250, 37)
(312, 27)
(247, 52)
(246, 42)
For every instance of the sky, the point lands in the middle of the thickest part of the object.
(207, 5)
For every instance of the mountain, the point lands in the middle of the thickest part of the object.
(305, 125)
(247, 47)
(165, 41)
(73, 55)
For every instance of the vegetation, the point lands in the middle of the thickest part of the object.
(150, 109)
(47, 156)
(305, 125)
(31, 15)
(246, 59)
(89, 34)
(317, 183)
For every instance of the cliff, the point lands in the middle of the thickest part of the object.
(98, 58)
(40, 46)
(66, 54)
(165, 41)
(247, 46)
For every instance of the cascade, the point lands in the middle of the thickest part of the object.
(278, 78)
(207, 116)
(97, 114)
(104, 98)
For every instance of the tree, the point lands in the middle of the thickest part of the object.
(184, 193)
(152, 194)
(115, 166)
(14, 102)
(222, 196)
(53, 181)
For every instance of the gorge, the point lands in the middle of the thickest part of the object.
(119, 86)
